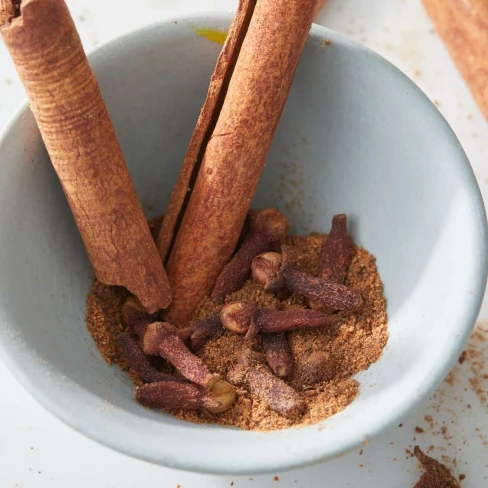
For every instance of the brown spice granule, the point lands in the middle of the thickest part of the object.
(353, 344)
(326, 43)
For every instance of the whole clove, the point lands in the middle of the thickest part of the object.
(335, 256)
(137, 360)
(204, 330)
(266, 271)
(237, 316)
(266, 230)
(136, 316)
(162, 339)
(337, 251)
(270, 321)
(273, 273)
(333, 295)
(278, 353)
(253, 373)
(171, 395)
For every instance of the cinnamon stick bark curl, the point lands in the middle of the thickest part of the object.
(66, 101)
(235, 154)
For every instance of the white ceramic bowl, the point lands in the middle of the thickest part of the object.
(357, 136)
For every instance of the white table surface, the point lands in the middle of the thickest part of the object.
(37, 450)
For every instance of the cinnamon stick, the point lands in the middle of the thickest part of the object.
(66, 101)
(463, 26)
(223, 166)
(204, 126)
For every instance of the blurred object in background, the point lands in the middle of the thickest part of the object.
(463, 26)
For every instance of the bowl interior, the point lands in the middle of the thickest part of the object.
(356, 137)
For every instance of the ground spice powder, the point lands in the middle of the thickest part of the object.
(436, 474)
(352, 344)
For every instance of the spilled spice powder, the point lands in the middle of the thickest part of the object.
(352, 344)
(476, 358)
(436, 474)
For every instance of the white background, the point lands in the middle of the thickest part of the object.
(37, 450)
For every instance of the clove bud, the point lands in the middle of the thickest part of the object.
(204, 330)
(278, 353)
(266, 271)
(162, 339)
(335, 256)
(251, 371)
(267, 229)
(173, 395)
(238, 316)
(273, 275)
(136, 316)
(137, 360)
(337, 251)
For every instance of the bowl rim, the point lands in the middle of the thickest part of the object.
(307, 457)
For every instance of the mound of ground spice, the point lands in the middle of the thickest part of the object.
(351, 345)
